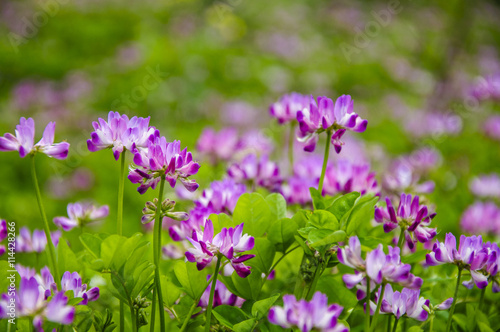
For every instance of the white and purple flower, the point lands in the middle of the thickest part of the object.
(285, 110)
(25, 242)
(80, 214)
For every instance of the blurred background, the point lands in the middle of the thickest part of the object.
(420, 72)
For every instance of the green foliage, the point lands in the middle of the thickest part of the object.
(255, 212)
(190, 279)
(281, 233)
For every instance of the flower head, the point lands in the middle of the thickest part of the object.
(325, 116)
(285, 110)
(222, 296)
(481, 217)
(25, 139)
(73, 282)
(346, 176)
(3, 234)
(80, 214)
(257, 171)
(307, 316)
(491, 127)
(36, 243)
(402, 177)
(120, 133)
(228, 243)
(163, 158)
(407, 303)
(487, 185)
(218, 146)
(167, 210)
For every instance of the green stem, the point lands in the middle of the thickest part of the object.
(401, 240)
(481, 299)
(394, 328)
(389, 319)
(134, 319)
(431, 323)
(50, 245)
(325, 161)
(153, 308)
(377, 311)
(157, 252)
(276, 263)
(367, 316)
(212, 292)
(119, 225)
(195, 304)
(452, 309)
(291, 139)
(319, 271)
(299, 284)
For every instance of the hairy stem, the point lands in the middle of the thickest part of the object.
(325, 161)
(212, 292)
(452, 309)
(50, 245)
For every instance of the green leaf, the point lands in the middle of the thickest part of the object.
(220, 221)
(193, 281)
(322, 237)
(228, 315)
(483, 327)
(264, 254)
(304, 232)
(170, 292)
(301, 242)
(361, 215)
(66, 258)
(254, 212)
(5, 274)
(260, 308)
(336, 291)
(301, 218)
(277, 204)
(92, 243)
(281, 233)
(414, 329)
(108, 248)
(245, 326)
(461, 320)
(124, 249)
(247, 288)
(324, 219)
(317, 199)
(343, 204)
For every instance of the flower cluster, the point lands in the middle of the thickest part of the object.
(222, 296)
(285, 110)
(162, 158)
(491, 127)
(407, 303)
(25, 242)
(325, 116)
(167, 210)
(80, 214)
(346, 176)
(120, 133)
(403, 177)
(481, 217)
(227, 243)
(24, 141)
(486, 185)
(487, 88)
(315, 315)
(411, 217)
(257, 172)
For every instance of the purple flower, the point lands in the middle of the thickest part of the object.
(120, 133)
(481, 217)
(36, 243)
(306, 173)
(401, 177)
(324, 115)
(491, 127)
(492, 267)
(471, 255)
(222, 296)
(424, 159)
(407, 303)
(218, 146)
(227, 243)
(285, 110)
(25, 138)
(3, 234)
(257, 171)
(254, 141)
(220, 197)
(73, 282)
(315, 315)
(346, 177)
(80, 214)
(487, 88)
(162, 157)
(411, 217)
(486, 185)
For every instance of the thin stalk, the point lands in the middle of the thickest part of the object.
(367, 318)
(156, 252)
(212, 292)
(276, 263)
(119, 225)
(325, 161)
(431, 324)
(50, 245)
(452, 309)
(389, 320)
(312, 285)
(481, 299)
(377, 311)
(394, 328)
(291, 139)
(134, 319)
(401, 240)
(299, 284)
(195, 304)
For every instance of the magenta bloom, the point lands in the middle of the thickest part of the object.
(80, 214)
(492, 267)
(36, 243)
(306, 173)
(471, 255)
(315, 315)
(402, 177)
(424, 159)
(218, 146)
(120, 134)
(491, 127)
(407, 303)
(411, 217)
(487, 88)
(346, 177)
(162, 157)
(257, 172)
(3, 234)
(481, 217)
(222, 296)
(324, 115)
(227, 243)
(285, 110)
(73, 282)
(25, 139)
(220, 197)
(486, 185)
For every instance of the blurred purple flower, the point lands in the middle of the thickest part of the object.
(80, 214)
(481, 217)
(257, 172)
(486, 88)
(324, 115)
(401, 177)
(491, 127)
(492, 267)
(486, 185)
(407, 303)
(346, 177)
(162, 157)
(25, 138)
(254, 141)
(285, 110)
(3, 235)
(226, 243)
(411, 217)
(424, 159)
(315, 315)
(36, 243)
(218, 146)
(222, 296)
(120, 133)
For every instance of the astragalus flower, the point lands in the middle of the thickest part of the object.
(80, 214)
(486, 88)
(218, 146)
(346, 176)
(481, 217)
(402, 177)
(25, 242)
(325, 116)
(162, 158)
(491, 127)
(285, 110)
(222, 296)
(315, 315)
(167, 210)
(486, 185)
(228, 243)
(120, 133)
(3, 234)
(73, 282)
(411, 217)
(25, 139)
(471, 255)
(406, 303)
(257, 172)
